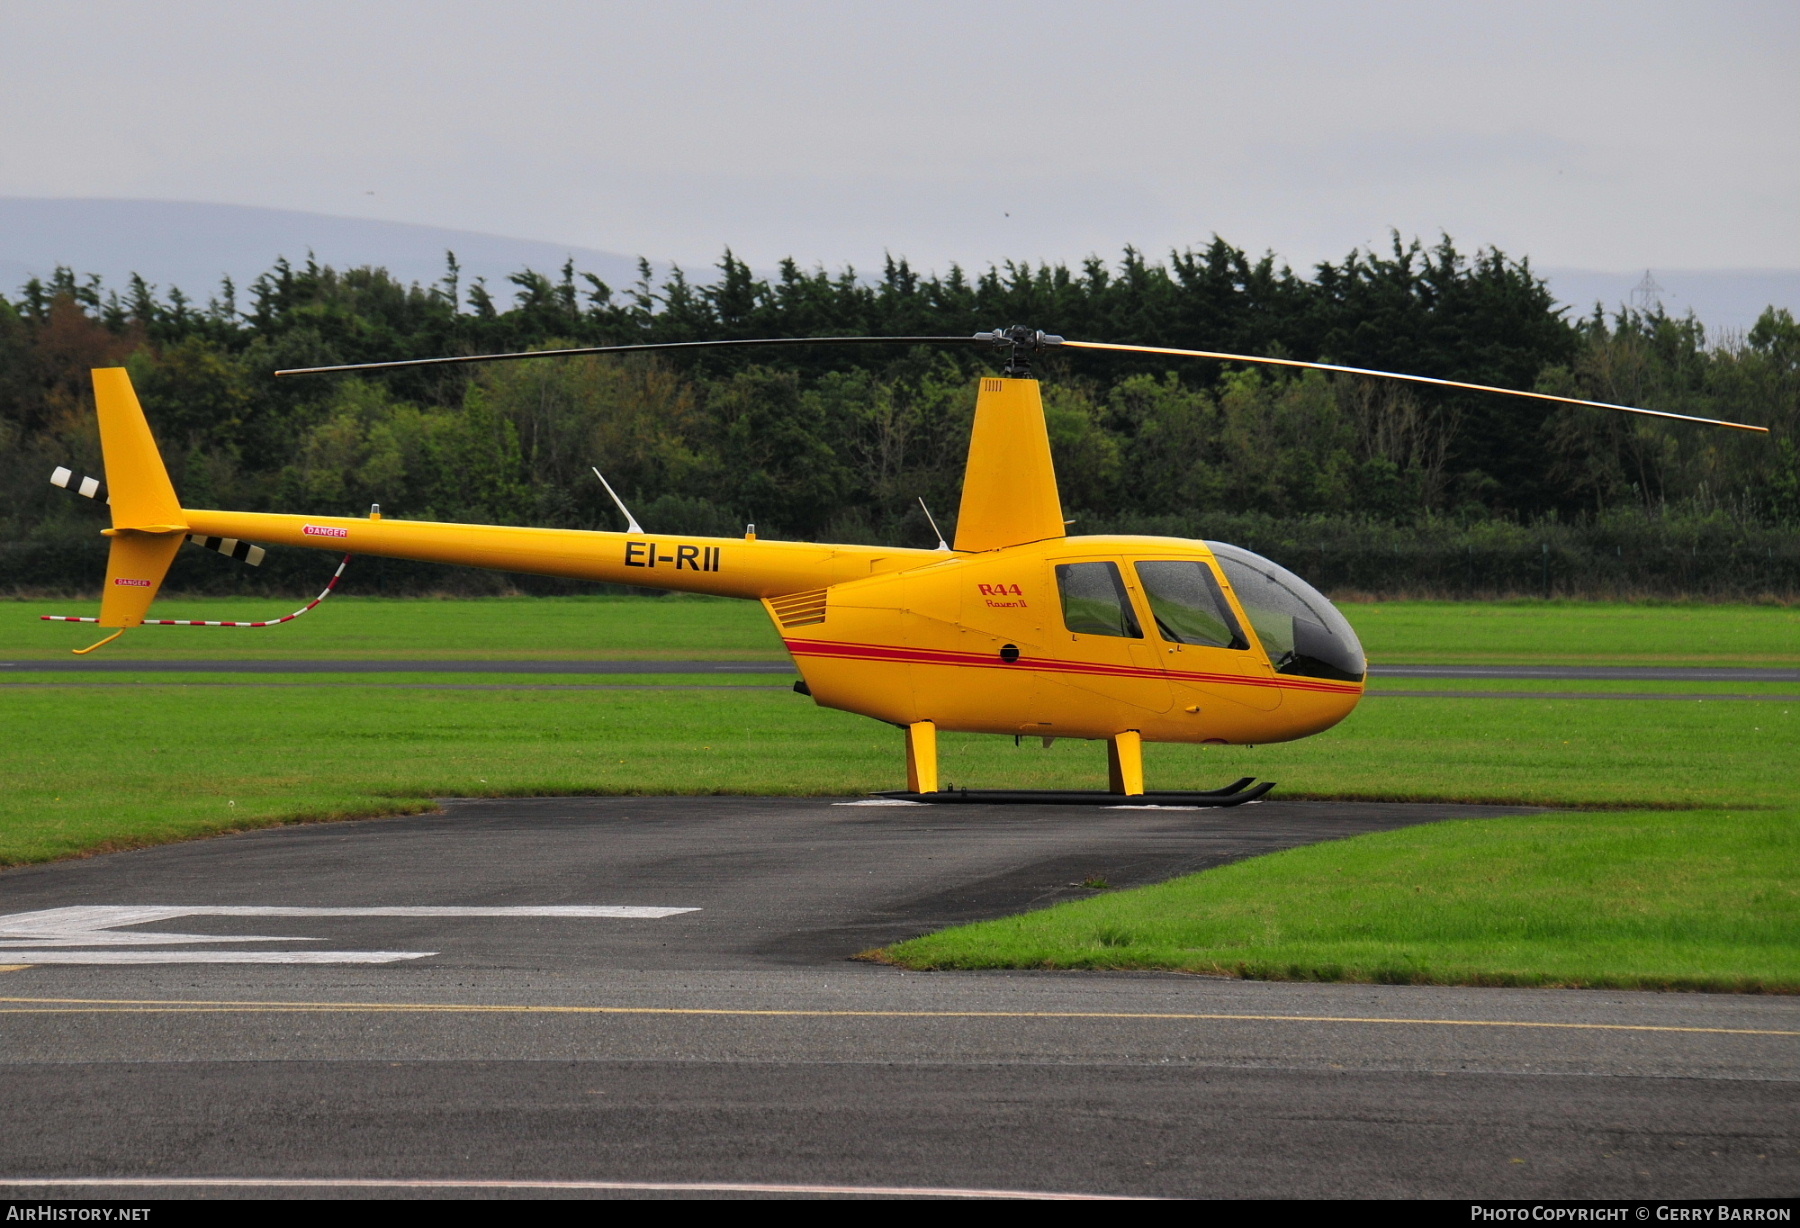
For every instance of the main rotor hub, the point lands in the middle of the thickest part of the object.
(1021, 343)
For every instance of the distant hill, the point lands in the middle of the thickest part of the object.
(176, 243)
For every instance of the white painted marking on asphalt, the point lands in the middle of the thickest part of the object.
(431, 910)
(64, 956)
(89, 934)
(94, 923)
(882, 801)
(1152, 807)
(106, 938)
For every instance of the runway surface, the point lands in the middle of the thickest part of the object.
(1622, 673)
(659, 991)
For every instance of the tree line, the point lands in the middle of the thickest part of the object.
(842, 442)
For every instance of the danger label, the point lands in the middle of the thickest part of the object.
(131, 583)
(324, 530)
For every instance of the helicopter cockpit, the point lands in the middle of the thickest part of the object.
(1302, 632)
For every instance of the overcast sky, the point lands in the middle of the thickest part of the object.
(1599, 135)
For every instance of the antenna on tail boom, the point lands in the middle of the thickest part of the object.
(631, 524)
(932, 520)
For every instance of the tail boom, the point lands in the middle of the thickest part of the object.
(721, 566)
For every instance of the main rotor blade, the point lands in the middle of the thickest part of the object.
(633, 349)
(996, 338)
(1416, 379)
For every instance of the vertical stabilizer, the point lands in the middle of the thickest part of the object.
(142, 495)
(148, 525)
(1009, 488)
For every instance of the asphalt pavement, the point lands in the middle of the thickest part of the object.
(657, 996)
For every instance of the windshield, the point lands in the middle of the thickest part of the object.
(1302, 632)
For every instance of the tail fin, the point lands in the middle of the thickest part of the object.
(1009, 486)
(148, 524)
(142, 496)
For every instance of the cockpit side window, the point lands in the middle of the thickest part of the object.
(1094, 600)
(1188, 606)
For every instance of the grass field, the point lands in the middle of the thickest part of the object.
(1690, 900)
(1576, 633)
(1702, 897)
(90, 766)
(355, 628)
(700, 628)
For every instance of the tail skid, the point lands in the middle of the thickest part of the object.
(330, 588)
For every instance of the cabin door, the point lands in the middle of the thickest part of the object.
(1096, 641)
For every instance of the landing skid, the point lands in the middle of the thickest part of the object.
(1234, 794)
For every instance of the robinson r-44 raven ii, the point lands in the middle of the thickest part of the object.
(1016, 628)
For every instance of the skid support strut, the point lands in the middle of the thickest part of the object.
(921, 757)
(1125, 763)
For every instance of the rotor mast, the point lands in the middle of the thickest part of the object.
(1020, 344)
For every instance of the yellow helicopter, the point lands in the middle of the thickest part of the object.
(1016, 628)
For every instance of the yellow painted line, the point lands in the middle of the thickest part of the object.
(13, 967)
(131, 1006)
(698, 1187)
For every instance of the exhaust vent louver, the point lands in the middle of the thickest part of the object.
(799, 609)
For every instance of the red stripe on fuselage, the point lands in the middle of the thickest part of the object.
(970, 660)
